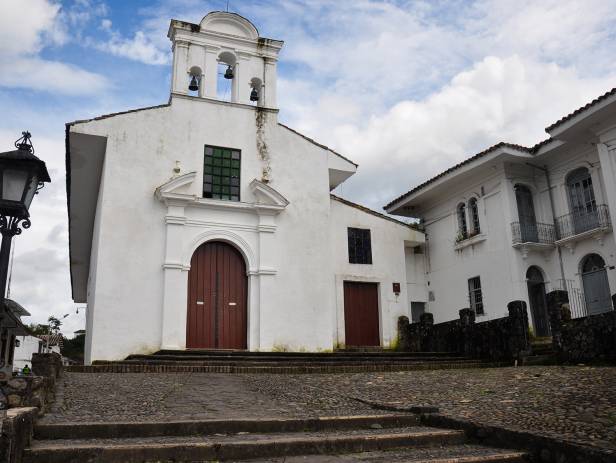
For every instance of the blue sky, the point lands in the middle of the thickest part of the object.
(404, 88)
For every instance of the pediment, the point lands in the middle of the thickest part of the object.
(266, 195)
(180, 185)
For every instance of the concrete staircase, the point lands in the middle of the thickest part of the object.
(384, 438)
(542, 352)
(220, 361)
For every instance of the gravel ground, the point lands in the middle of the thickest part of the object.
(574, 403)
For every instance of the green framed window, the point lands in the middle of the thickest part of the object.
(221, 173)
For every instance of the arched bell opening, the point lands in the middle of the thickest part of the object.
(256, 91)
(226, 75)
(195, 81)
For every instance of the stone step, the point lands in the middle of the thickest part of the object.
(111, 430)
(338, 353)
(180, 367)
(162, 359)
(446, 454)
(236, 446)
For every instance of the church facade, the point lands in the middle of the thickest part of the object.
(206, 223)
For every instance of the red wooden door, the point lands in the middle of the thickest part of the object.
(361, 314)
(217, 289)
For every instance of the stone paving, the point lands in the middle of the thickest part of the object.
(573, 403)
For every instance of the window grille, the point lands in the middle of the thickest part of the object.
(360, 249)
(462, 228)
(475, 296)
(221, 173)
(472, 205)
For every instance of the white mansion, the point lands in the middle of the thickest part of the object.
(205, 223)
(511, 222)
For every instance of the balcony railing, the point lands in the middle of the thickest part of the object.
(542, 233)
(576, 223)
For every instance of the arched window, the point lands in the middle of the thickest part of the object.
(462, 228)
(474, 212)
(526, 214)
(582, 202)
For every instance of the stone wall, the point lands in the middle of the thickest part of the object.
(33, 391)
(591, 338)
(500, 339)
(26, 398)
(16, 433)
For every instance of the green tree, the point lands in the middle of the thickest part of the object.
(54, 324)
(38, 330)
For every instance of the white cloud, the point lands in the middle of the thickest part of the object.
(23, 35)
(27, 30)
(499, 99)
(50, 76)
(139, 48)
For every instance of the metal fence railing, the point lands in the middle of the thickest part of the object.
(543, 233)
(577, 302)
(579, 222)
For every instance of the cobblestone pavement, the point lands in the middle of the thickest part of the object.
(84, 397)
(575, 403)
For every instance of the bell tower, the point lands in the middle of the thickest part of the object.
(224, 49)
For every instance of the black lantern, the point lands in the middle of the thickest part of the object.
(229, 72)
(22, 174)
(254, 95)
(194, 84)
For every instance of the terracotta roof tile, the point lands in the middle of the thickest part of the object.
(582, 109)
(372, 212)
(459, 165)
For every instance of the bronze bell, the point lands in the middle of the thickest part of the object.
(194, 85)
(229, 73)
(254, 95)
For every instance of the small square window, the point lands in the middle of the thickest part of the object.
(221, 173)
(360, 247)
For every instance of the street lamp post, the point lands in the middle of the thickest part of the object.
(22, 174)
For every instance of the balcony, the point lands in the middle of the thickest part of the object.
(532, 237)
(581, 225)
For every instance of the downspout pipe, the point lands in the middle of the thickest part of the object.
(560, 255)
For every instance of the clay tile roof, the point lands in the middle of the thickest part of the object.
(314, 142)
(461, 164)
(582, 109)
(372, 212)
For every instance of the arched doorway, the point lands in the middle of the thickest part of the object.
(595, 284)
(537, 301)
(217, 290)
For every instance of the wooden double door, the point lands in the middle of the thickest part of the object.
(217, 295)
(361, 314)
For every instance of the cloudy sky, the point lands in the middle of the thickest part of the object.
(404, 88)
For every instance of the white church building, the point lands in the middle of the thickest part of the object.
(206, 223)
(513, 222)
